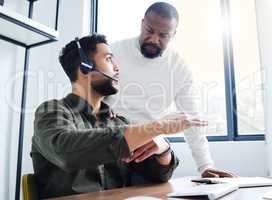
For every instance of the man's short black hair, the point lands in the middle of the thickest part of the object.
(69, 57)
(163, 9)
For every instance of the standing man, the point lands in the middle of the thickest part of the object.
(154, 76)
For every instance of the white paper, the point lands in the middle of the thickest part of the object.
(243, 181)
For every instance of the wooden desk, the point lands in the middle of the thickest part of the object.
(161, 190)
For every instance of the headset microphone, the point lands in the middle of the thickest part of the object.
(86, 65)
(106, 75)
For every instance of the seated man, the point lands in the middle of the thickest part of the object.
(80, 145)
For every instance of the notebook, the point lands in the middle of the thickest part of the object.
(212, 191)
(242, 182)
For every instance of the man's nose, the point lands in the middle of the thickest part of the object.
(154, 38)
(115, 64)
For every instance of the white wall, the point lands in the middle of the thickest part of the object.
(9, 130)
(264, 18)
(47, 80)
(11, 62)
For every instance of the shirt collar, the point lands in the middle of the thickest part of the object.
(80, 105)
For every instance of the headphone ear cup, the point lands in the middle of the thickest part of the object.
(91, 64)
(84, 69)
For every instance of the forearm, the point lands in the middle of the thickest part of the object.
(199, 146)
(138, 135)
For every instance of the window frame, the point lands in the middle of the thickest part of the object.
(229, 74)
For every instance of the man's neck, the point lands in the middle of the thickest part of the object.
(88, 94)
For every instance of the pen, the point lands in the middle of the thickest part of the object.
(203, 181)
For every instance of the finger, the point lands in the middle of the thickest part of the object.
(141, 150)
(226, 174)
(198, 123)
(136, 154)
(223, 174)
(127, 160)
(185, 123)
(147, 154)
(210, 174)
(112, 114)
(176, 116)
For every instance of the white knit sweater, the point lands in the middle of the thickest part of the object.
(149, 86)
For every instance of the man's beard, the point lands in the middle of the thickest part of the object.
(104, 87)
(148, 54)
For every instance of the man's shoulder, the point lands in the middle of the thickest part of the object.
(174, 60)
(123, 43)
(175, 54)
(52, 105)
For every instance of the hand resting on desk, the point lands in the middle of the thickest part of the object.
(215, 173)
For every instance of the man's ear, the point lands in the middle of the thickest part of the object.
(142, 23)
(174, 34)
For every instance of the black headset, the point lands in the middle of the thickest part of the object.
(86, 65)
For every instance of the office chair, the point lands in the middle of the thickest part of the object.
(30, 190)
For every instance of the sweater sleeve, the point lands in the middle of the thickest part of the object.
(185, 101)
(59, 141)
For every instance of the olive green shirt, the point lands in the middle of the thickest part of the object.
(74, 152)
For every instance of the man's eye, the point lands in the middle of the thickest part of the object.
(108, 59)
(164, 35)
(149, 31)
